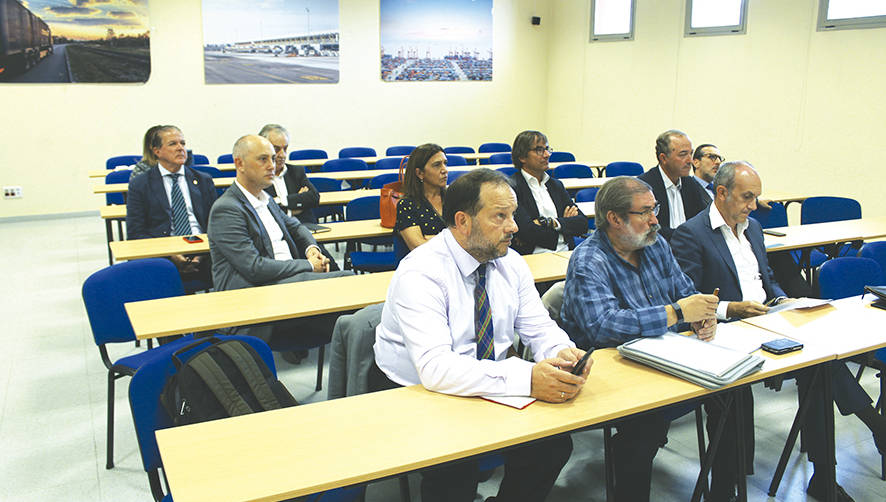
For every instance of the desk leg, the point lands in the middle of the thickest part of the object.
(726, 404)
(109, 233)
(830, 448)
(799, 420)
(740, 439)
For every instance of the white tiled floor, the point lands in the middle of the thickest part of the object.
(53, 387)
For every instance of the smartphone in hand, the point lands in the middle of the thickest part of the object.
(580, 365)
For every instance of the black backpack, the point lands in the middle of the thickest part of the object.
(225, 379)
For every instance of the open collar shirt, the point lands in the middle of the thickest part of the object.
(279, 184)
(749, 279)
(427, 335)
(275, 233)
(675, 199)
(546, 207)
(607, 301)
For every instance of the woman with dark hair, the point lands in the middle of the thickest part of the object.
(149, 160)
(420, 210)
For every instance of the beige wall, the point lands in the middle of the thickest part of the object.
(807, 108)
(54, 134)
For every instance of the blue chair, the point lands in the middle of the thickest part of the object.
(875, 251)
(776, 216)
(454, 175)
(308, 154)
(148, 416)
(346, 164)
(458, 149)
(383, 179)
(823, 210)
(200, 159)
(388, 163)
(366, 208)
(586, 194)
(492, 148)
(507, 171)
(572, 171)
(562, 157)
(614, 169)
(214, 171)
(123, 160)
(499, 158)
(104, 293)
(847, 276)
(327, 185)
(398, 150)
(356, 151)
(121, 176)
(456, 160)
(226, 158)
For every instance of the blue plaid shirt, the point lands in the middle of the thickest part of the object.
(607, 301)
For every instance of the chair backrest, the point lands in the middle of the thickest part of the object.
(500, 158)
(399, 150)
(121, 176)
(494, 147)
(213, 171)
(614, 169)
(356, 151)
(226, 158)
(458, 149)
(573, 171)
(122, 160)
(456, 160)
(454, 175)
(777, 216)
(507, 171)
(877, 252)
(363, 208)
(388, 163)
(344, 165)
(586, 194)
(383, 179)
(847, 276)
(562, 157)
(326, 184)
(200, 159)
(308, 154)
(104, 293)
(824, 209)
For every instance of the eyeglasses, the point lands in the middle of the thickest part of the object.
(648, 211)
(540, 150)
(714, 157)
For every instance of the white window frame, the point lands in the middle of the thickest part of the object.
(738, 29)
(846, 24)
(614, 36)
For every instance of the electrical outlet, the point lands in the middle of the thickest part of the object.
(12, 192)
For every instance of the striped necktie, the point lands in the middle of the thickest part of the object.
(180, 223)
(483, 317)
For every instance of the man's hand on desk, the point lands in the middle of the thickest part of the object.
(742, 310)
(320, 262)
(705, 330)
(555, 385)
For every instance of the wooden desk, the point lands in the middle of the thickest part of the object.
(238, 307)
(253, 457)
(817, 234)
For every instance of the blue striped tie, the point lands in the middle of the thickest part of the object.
(180, 223)
(483, 317)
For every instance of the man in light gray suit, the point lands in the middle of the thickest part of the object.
(252, 242)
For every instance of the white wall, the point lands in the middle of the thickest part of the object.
(805, 107)
(54, 134)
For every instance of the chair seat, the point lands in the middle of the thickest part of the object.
(135, 361)
(373, 261)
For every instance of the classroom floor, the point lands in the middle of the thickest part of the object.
(53, 391)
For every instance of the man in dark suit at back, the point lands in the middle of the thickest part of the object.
(680, 196)
(546, 216)
(171, 199)
(290, 188)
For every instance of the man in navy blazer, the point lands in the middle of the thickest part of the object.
(149, 208)
(546, 216)
(679, 195)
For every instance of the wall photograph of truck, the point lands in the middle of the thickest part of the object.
(25, 39)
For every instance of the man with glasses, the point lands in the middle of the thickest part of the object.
(547, 217)
(680, 196)
(705, 162)
(623, 283)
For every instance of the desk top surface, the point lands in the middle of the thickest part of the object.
(816, 234)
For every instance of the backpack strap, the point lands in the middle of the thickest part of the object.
(256, 379)
(220, 385)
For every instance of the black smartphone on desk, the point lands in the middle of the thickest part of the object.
(580, 365)
(781, 346)
(775, 233)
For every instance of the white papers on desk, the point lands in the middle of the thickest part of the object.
(799, 303)
(733, 336)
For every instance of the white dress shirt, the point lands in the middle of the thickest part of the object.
(745, 260)
(675, 199)
(280, 187)
(427, 336)
(260, 204)
(546, 207)
(186, 194)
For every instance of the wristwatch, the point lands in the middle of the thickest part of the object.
(678, 311)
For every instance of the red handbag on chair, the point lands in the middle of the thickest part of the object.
(390, 195)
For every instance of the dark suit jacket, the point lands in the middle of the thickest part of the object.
(531, 235)
(692, 193)
(704, 256)
(295, 179)
(148, 213)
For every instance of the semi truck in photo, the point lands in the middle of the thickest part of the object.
(25, 39)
